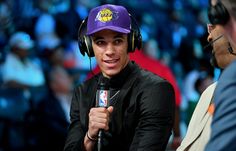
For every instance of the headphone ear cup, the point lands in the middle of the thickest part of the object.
(84, 41)
(130, 42)
(88, 44)
(82, 45)
(134, 37)
(135, 40)
(85, 46)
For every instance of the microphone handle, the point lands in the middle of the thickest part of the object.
(102, 100)
(100, 134)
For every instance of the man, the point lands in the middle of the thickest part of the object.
(223, 134)
(142, 113)
(149, 63)
(199, 129)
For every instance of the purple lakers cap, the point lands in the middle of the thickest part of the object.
(108, 16)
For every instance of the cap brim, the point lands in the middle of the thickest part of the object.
(113, 28)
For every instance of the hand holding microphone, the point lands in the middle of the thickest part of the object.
(98, 119)
(100, 115)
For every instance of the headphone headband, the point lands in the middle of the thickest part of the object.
(218, 14)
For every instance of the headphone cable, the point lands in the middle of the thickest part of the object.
(90, 67)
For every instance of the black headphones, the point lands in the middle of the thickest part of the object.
(85, 42)
(218, 14)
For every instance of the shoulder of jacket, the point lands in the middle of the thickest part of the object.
(149, 76)
(146, 78)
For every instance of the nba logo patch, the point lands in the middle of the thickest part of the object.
(103, 98)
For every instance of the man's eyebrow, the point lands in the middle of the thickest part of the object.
(95, 38)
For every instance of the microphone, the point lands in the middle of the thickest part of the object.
(210, 43)
(103, 93)
(102, 100)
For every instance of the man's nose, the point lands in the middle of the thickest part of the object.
(209, 38)
(110, 49)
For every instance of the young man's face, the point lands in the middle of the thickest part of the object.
(111, 51)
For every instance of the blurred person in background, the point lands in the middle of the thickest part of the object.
(199, 129)
(51, 117)
(204, 80)
(195, 82)
(20, 74)
(51, 53)
(6, 23)
(19, 70)
(223, 135)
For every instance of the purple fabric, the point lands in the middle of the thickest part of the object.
(108, 16)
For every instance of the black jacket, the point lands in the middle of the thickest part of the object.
(143, 115)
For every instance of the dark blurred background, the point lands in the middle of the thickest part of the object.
(40, 62)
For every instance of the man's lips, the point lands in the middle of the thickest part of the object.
(111, 61)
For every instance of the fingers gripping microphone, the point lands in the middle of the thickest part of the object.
(102, 100)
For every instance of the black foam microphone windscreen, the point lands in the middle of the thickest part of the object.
(103, 93)
(102, 100)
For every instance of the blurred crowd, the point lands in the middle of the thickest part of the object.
(40, 61)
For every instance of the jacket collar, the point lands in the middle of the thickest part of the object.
(118, 80)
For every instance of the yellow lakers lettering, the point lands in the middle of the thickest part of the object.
(105, 15)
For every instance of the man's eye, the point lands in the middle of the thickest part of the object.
(118, 41)
(100, 42)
